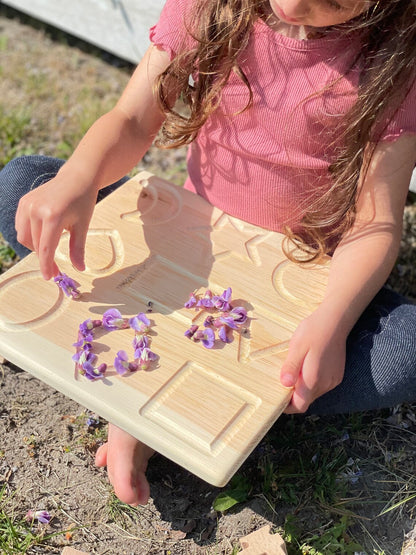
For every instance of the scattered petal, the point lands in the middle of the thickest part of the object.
(191, 331)
(68, 285)
(222, 302)
(206, 300)
(225, 334)
(207, 336)
(41, 516)
(191, 301)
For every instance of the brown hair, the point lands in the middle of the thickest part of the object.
(386, 61)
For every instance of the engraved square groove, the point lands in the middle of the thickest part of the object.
(201, 424)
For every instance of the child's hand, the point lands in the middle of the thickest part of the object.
(315, 362)
(44, 213)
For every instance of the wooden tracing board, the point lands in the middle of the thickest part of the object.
(152, 243)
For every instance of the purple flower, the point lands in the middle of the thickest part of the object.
(209, 321)
(191, 301)
(140, 323)
(146, 357)
(113, 320)
(84, 354)
(206, 300)
(239, 315)
(68, 285)
(140, 342)
(191, 331)
(41, 516)
(122, 364)
(207, 336)
(225, 334)
(82, 341)
(92, 373)
(87, 326)
(222, 302)
(92, 421)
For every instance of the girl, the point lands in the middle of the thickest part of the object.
(300, 119)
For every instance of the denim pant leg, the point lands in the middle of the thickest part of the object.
(20, 176)
(380, 369)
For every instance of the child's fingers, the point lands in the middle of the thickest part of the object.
(48, 242)
(292, 366)
(35, 233)
(298, 404)
(77, 241)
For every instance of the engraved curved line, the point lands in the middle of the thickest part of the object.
(51, 314)
(281, 289)
(175, 201)
(117, 248)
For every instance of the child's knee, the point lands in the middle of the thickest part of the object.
(25, 173)
(397, 357)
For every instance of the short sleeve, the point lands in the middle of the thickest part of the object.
(170, 32)
(404, 120)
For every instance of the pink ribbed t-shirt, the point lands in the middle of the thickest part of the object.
(262, 165)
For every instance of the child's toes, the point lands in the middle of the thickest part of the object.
(143, 489)
(101, 455)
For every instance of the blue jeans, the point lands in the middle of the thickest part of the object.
(380, 369)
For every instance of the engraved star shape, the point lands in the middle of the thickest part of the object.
(246, 247)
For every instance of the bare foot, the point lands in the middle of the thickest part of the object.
(126, 460)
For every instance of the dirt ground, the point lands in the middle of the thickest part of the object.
(47, 443)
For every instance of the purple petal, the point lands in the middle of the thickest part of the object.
(206, 300)
(209, 321)
(191, 301)
(88, 325)
(140, 323)
(140, 342)
(41, 516)
(228, 321)
(146, 357)
(67, 284)
(113, 320)
(239, 314)
(121, 362)
(208, 338)
(221, 302)
(225, 334)
(192, 330)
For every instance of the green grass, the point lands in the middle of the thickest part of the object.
(14, 125)
(16, 534)
(348, 472)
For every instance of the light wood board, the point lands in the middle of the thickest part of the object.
(152, 241)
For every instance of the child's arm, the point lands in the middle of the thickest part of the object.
(359, 268)
(109, 150)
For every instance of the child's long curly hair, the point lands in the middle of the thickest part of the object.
(221, 31)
